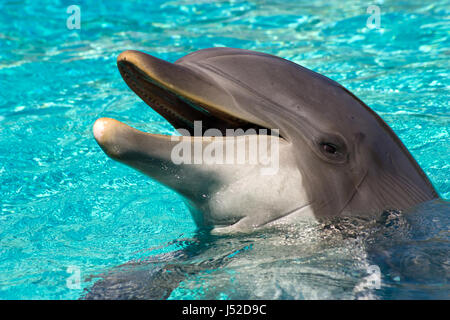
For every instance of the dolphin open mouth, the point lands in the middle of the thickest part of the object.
(167, 88)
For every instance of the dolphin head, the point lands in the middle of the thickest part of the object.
(334, 155)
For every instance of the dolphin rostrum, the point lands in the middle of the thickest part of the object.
(335, 156)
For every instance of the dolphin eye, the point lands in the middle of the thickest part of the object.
(329, 148)
(332, 149)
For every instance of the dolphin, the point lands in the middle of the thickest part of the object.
(335, 156)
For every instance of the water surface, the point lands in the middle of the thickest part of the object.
(64, 204)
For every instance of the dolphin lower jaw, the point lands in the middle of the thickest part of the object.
(228, 197)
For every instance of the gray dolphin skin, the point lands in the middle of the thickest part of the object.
(337, 157)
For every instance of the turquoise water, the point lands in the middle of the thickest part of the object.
(64, 204)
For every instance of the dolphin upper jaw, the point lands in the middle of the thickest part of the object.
(177, 92)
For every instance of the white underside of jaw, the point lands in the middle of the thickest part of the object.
(254, 200)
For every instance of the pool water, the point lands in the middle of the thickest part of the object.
(68, 212)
